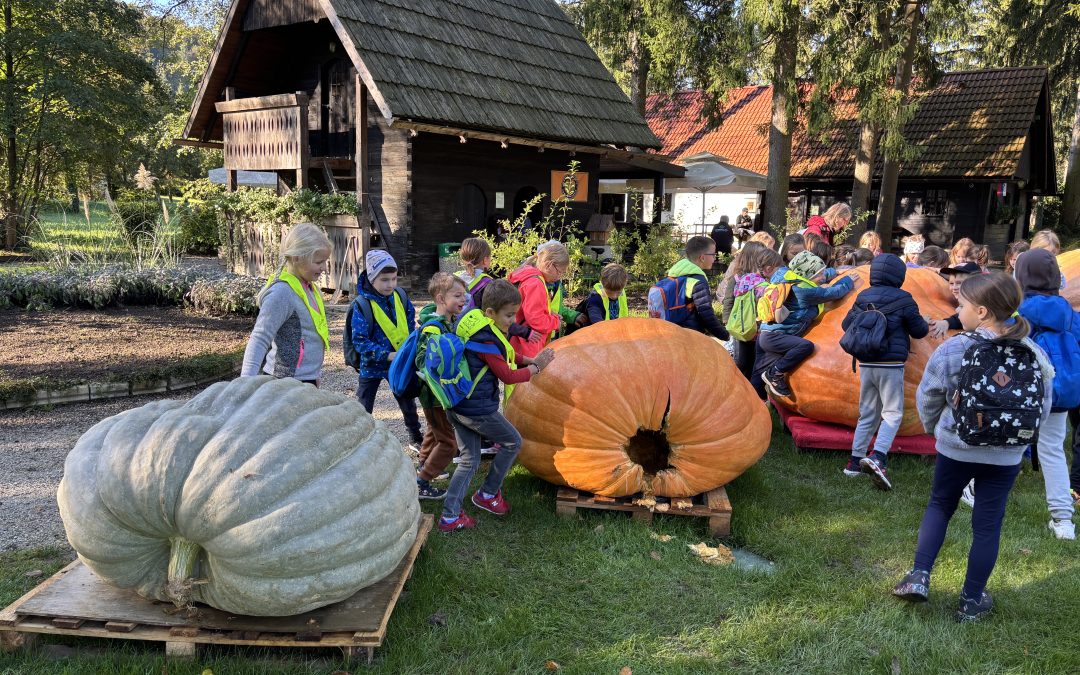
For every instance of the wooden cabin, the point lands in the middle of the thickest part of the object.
(983, 141)
(469, 109)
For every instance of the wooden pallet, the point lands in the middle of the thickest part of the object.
(74, 601)
(713, 505)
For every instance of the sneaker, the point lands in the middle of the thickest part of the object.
(1063, 529)
(490, 451)
(853, 468)
(776, 383)
(914, 587)
(441, 476)
(876, 465)
(973, 610)
(462, 522)
(496, 504)
(968, 495)
(429, 491)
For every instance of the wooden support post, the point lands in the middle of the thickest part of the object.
(361, 160)
(230, 180)
(658, 199)
(305, 151)
(181, 650)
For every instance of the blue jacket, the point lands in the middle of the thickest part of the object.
(1056, 328)
(803, 302)
(370, 342)
(703, 318)
(903, 321)
(594, 309)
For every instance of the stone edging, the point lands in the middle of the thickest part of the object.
(100, 391)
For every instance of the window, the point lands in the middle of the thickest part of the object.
(935, 203)
(667, 202)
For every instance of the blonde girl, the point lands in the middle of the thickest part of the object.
(539, 280)
(290, 337)
(961, 252)
(870, 241)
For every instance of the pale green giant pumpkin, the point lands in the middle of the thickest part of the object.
(258, 496)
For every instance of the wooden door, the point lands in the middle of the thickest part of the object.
(470, 211)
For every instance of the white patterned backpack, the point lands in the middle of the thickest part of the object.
(998, 400)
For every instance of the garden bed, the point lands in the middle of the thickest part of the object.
(68, 346)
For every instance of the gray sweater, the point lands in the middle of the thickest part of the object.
(939, 381)
(284, 331)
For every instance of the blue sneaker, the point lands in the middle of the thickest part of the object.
(914, 587)
(852, 468)
(876, 465)
(973, 610)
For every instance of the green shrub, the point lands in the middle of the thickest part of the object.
(217, 293)
(657, 252)
(198, 225)
(137, 212)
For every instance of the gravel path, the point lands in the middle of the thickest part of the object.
(34, 443)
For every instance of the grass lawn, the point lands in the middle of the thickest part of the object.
(56, 228)
(590, 594)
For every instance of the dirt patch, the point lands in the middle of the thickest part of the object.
(111, 344)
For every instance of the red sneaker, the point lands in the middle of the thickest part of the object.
(496, 504)
(463, 522)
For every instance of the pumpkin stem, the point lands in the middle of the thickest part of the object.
(183, 556)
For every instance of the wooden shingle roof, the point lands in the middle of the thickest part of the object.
(518, 67)
(973, 124)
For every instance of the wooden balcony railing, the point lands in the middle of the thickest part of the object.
(266, 133)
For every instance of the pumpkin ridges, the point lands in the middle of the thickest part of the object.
(656, 368)
(131, 559)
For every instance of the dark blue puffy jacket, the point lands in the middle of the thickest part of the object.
(485, 396)
(887, 274)
(1056, 328)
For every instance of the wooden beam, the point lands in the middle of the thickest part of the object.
(638, 158)
(361, 159)
(262, 103)
(192, 143)
(305, 151)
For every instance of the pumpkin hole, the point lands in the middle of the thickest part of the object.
(650, 449)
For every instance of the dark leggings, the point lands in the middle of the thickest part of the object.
(1074, 476)
(745, 356)
(992, 486)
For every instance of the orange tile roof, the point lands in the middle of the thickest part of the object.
(972, 124)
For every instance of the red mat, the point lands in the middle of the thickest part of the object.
(808, 433)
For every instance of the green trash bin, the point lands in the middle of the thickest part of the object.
(448, 257)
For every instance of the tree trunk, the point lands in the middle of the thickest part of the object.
(784, 101)
(890, 172)
(1070, 208)
(865, 154)
(638, 66)
(11, 209)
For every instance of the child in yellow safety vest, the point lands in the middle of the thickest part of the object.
(377, 334)
(608, 298)
(290, 337)
(478, 415)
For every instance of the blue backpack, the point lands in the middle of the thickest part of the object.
(446, 370)
(865, 336)
(667, 300)
(1064, 352)
(402, 374)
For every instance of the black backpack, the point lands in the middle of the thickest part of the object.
(352, 357)
(998, 400)
(865, 337)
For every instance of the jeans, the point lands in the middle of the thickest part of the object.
(881, 401)
(1055, 471)
(468, 431)
(781, 351)
(366, 389)
(992, 486)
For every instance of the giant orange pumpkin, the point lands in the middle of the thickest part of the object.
(824, 385)
(639, 405)
(1069, 262)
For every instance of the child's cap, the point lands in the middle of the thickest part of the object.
(962, 268)
(913, 247)
(806, 264)
(1037, 271)
(376, 261)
